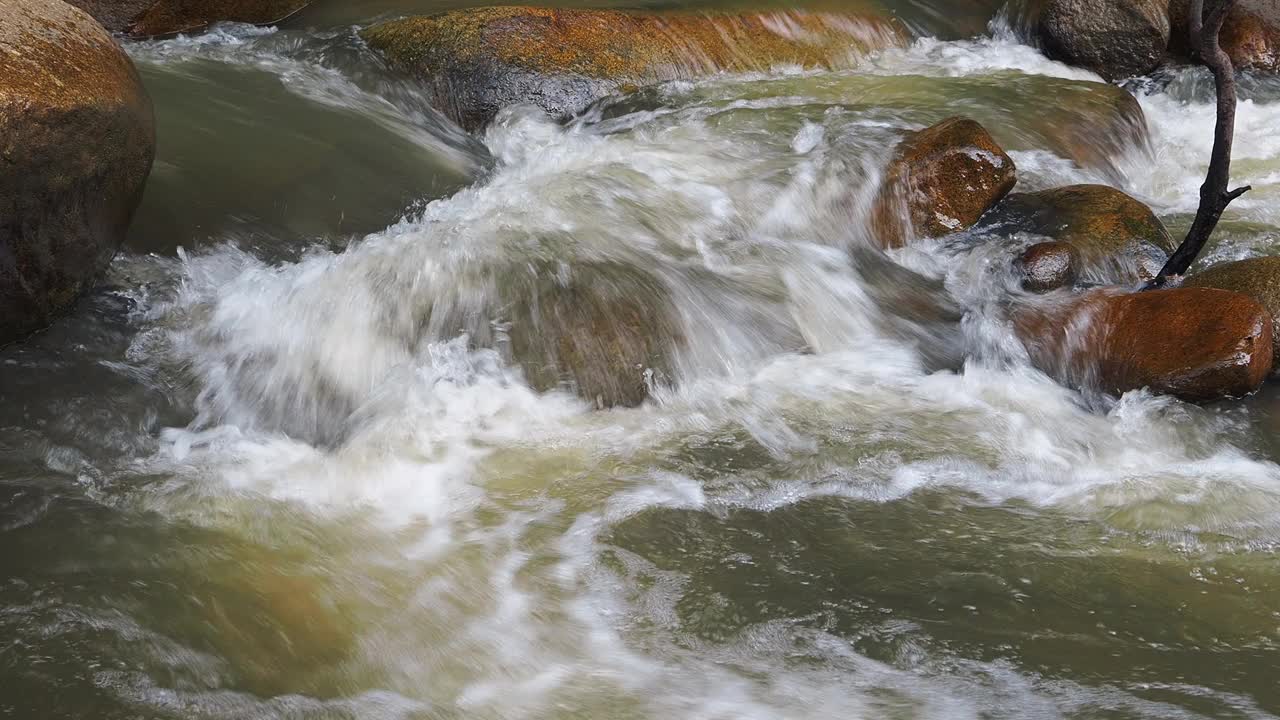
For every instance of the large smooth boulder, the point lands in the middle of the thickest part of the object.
(77, 138)
(1116, 238)
(601, 330)
(475, 62)
(1114, 38)
(1259, 278)
(1197, 344)
(1250, 36)
(941, 180)
(150, 18)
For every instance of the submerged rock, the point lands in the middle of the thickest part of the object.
(1116, 238)
(941, 180)
(1197, 344)
(602, 330)
(1250, 36)
(477, 61)
(1259, 278)
(1048, 266)
(149, 18)
(1114, 38)
(77, 138)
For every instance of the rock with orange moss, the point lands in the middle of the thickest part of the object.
(1198, 344)
(941, 180)
(475, 62)
(1250, 36)
(77, 138)
(150, 18)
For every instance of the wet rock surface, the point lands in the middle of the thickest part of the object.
(1259, 278)
(77, 138)
(942, 180)
(1197, 344)
(1047, 266)
(478, 61)
(1116, 238)
(1115, 38)
(601, 330)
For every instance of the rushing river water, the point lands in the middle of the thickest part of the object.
(262, 473)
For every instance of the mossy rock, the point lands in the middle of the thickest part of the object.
(151, 18)
(1115, 237)
(602, 330)
(477, 61)
(1259, 278)
(77, 139)
(941, 180)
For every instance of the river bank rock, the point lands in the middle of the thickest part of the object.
(601, 330)
(77, 138)
(150, 18)
(1250, 36)
(1259, 278)
(941, 180)
(1116, 238)
(1197, 344)
(1114, 38)
(477, 61)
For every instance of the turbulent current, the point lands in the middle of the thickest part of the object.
(281, 466)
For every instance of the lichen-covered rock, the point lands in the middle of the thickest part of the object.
(149, 18)
(941, 180)
(77, 138)
(1259, 278)
(477, 61)
(1250, 36)
(1117, 239)
(1047, 266)
(1198, 344)
(1114, 38)
(602, 330)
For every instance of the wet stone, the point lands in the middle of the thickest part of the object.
(1047, 266)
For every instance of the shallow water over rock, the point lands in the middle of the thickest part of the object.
(288, 461)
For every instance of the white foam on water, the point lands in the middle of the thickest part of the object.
(357, 389)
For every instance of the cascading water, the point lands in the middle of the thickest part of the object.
(320, 482)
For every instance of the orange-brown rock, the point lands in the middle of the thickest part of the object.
(1259, 278)
(77, 138)
(1198, 344)
(941, 180)
(149, 18)
(1250, 36)
(477, 61)
(1117, 239)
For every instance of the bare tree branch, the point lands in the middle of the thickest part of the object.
(1206, 25)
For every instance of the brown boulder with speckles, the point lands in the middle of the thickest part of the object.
(1259, 278)
(941, 180)
(1250, 36)
(1117, 239)
(477, 61)
(1198, 344)
(1114, 38)
(151, 18)
(77, 138)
